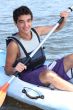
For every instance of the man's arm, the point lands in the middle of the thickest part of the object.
(43, 30)
(11, 56)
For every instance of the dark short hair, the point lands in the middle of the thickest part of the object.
(23, 10)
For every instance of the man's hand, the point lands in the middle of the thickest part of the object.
(20, 67)
(64, 14)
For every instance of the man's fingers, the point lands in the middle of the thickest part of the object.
(20, 67)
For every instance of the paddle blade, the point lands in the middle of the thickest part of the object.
(3, 92)
(2, 97)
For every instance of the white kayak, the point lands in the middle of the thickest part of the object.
(42, 97)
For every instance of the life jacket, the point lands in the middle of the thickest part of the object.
(36, 61)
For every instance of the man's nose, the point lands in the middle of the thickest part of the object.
(25, 24)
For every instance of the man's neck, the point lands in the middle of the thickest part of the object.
(26, 36)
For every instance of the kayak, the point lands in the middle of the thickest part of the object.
(42, 97)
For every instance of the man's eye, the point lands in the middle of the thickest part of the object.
(29, 20)
(20, 21)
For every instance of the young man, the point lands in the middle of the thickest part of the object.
(41, 75)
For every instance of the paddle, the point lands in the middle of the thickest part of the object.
(4, 88)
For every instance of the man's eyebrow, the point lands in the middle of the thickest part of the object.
(20, 20)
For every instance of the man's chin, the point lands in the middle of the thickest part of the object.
(27, 31)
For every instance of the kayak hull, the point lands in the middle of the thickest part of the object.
(51, 100)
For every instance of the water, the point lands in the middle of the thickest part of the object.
(45, 12)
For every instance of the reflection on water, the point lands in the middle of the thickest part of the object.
(11, 104)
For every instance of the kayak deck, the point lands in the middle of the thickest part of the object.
(52, 99)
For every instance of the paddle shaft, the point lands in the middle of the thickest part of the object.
(33, 53)
(54, 28)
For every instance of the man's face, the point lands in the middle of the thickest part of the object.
(24, 23)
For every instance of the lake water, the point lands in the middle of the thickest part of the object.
(44, 12)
